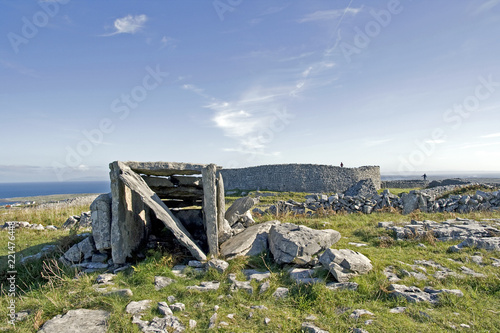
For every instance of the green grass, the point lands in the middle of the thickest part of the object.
(398, 191)
(49, 290)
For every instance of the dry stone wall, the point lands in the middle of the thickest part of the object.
(298, 177)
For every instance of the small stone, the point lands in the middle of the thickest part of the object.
(342, 286)
(267, 321)
(311, 317)
(138, 307)
(369, 322)
(359, 330)
(196, 264)
(192, 323)
(231, 316)
(223, 323)
(280, 293)
(311, 328)
(171, 299)
(164, 309)
(360, 312)
(464, 325)
(264, 287)
(206, 286)
(422, 245)
(471, 272)
(357, 244)
(120, 293)
(217, 264)
(216, 307)
(213, 321)
(162, 282)
(259, 307)
(177, 307)
(478, 260)
(399, 309)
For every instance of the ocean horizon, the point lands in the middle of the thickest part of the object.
(16, 190)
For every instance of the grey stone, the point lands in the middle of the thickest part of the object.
(267, 321)
(164, 309)
(359, 330)
(238, 208)
(280, 293)
(210, 207)
(342, 286)
(290, 243)
(74, 254)
(192, 323)
(105, 278)
(205, 286)
(352, 261)
(120, 293)
(237, 285)
(138, 307)
(77, 321)
(478, 260)
(85, 220)
(253, 274)
(162, 282)
(399, 309)
(311, 328)
(100, 257)
(51, 227)
(171, 299)
(259, 307)
(101, 221)
(168, 323)
(264, 287)
(365, 188)
(252, 241)
(196, 264)
(391, 276)
(87, 247)
(303, 275)
(177, 307)
(360, 312)
(71, 222)
(217, 264)
(213, 321)
(471, 272)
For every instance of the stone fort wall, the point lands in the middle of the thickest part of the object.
(298, 177)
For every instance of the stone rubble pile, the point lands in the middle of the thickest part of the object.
(482, 235)
(366, 200)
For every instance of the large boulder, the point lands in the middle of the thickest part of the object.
(365, 188)
(344, 264)
(101, 221)
(290, 243)
(250, 242)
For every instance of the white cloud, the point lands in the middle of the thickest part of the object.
(493, 135)
(486, 6)
(167, 41)
(325, 15)
(435, 141)
(373, 143)
(129, 24)
(478, 145)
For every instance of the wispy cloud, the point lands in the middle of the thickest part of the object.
(486, 6)
(274, 10)
(435, 141)
(477, 145)
(488, 136)
(326, 15)
(373, 143)
(129, 24)
(19, 68)
(168, 41)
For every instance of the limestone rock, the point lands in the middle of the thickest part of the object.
(205, 286)
(164, 309)
(217, 264)
(237, 285)
(71, 222)
(253, 274)
(342, 286)
(85, 220)
(138, 307)
(365, 188)
(290, 243)
(414, 294)
(344, 264)
(252, 241)
(162, 282)
(280, 293)
(238, 208)
(77, 321)
(101, 221)
(311, 328)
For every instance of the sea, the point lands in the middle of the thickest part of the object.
(16, 190)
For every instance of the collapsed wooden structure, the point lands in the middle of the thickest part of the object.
(142, 191)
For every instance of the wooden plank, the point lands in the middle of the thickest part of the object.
(136, 183)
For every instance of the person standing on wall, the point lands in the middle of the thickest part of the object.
(424, 176)
(341, 164)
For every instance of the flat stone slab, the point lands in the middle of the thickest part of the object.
(205, 286)
(77, 321)
(251, 242)
(414, 294)
(166, 168)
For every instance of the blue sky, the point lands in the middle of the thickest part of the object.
(411, 86)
